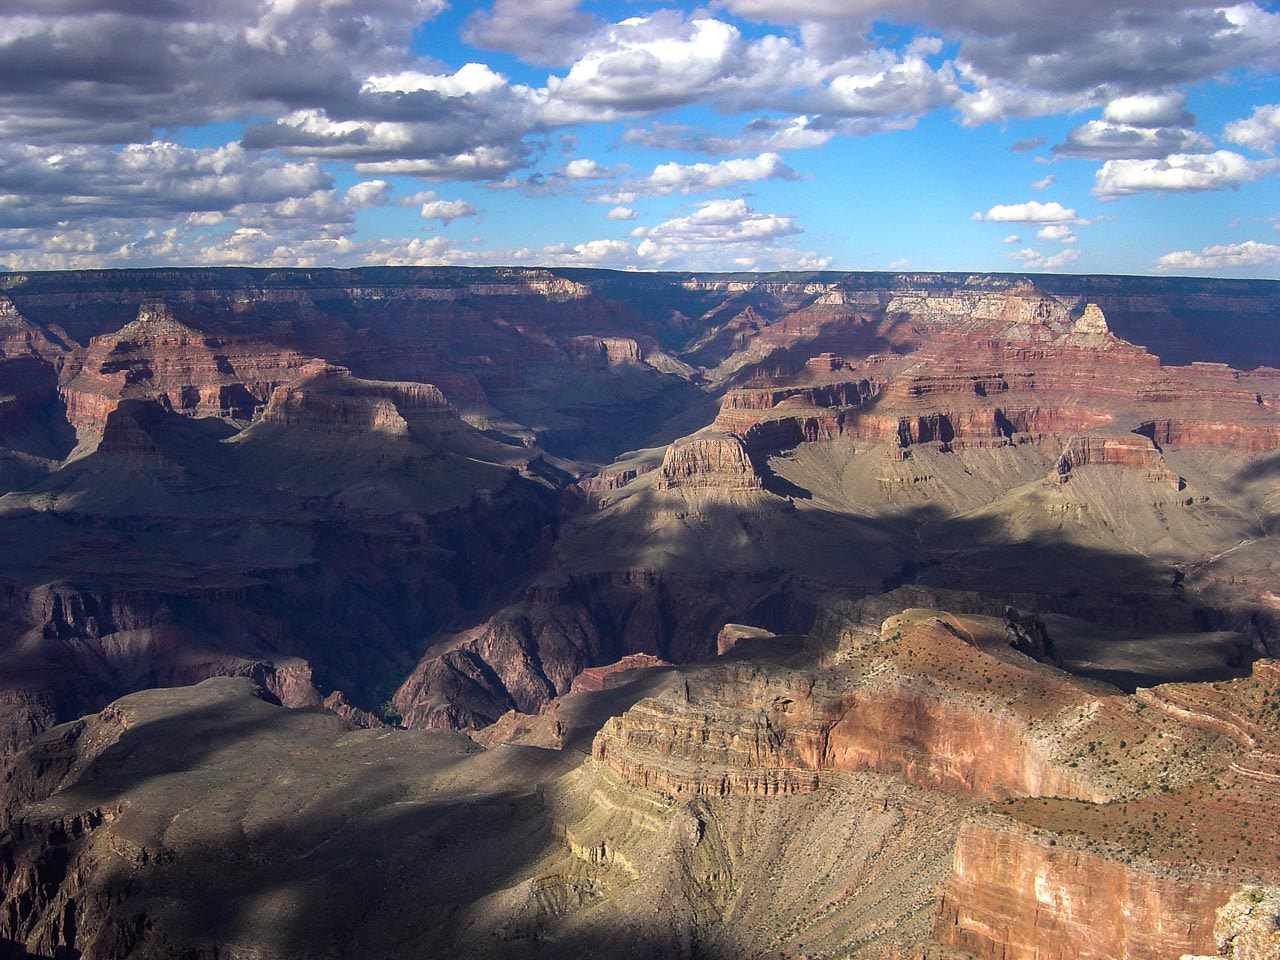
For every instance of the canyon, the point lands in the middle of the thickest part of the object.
(516, 612)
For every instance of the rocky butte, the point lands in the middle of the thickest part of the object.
(559, 613)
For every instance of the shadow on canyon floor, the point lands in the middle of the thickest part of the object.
(12, 950)
(272, 828)
(819, 555)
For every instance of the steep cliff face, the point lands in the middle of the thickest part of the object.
(930, 704)
(718, 461)
(1018, 895)
(1129, 827)
(1147, 875)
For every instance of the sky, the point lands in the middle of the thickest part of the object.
(1072, 136)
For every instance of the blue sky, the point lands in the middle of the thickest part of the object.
(1136, 136)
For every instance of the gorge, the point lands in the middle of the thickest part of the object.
(553, 613)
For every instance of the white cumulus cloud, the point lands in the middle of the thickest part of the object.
(1105, 140)
(1250, 253)
(584, 169)
(1149, 110)
(447, 211)
(1179, 173)
(672, 177)
(1057, 231)
(1035, 260)
(1033, 211)
(1259, 131)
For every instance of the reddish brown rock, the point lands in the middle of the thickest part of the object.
(1017, 895)
(711, 460)
(157, 357)
(327, 398)
(1133, 451)
(613, 674)
(733, 634)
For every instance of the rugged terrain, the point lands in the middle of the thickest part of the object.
(824, 615)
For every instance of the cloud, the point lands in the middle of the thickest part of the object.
(1104, 140)
(163, 203)
(537, 31)
(763, 134)
(471, 123)
(447, 211)
(152, 180)
(91, 92)
(1041, 57)
(721, 221)
(1179, 173)
(621, 213)
(723, 235)
(482, 163)
(647, 63)
(584, 170)
(667, 60)
(616, 254)
(1012, 238)
(418, 252)
(77, 72)
(989, 99)
(672, 177)
(884, 86)
(1033, 211)
(368, 193)
(1045, 183)
(1250, 253)
(1149, 110)
(1057, 231)
(1259, 131)
(1035, 260)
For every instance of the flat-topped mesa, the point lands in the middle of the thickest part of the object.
(619, 672)
(531, 283)
(330, 400)
(606, 351)
(843, 393)
(771, 418)
(825, 363)
(738, 731)
(1132, 450)
(713, 460)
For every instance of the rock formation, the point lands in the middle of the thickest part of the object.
(1005, 547)
(721, 807)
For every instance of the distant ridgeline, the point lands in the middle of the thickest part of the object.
(1179, 319)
